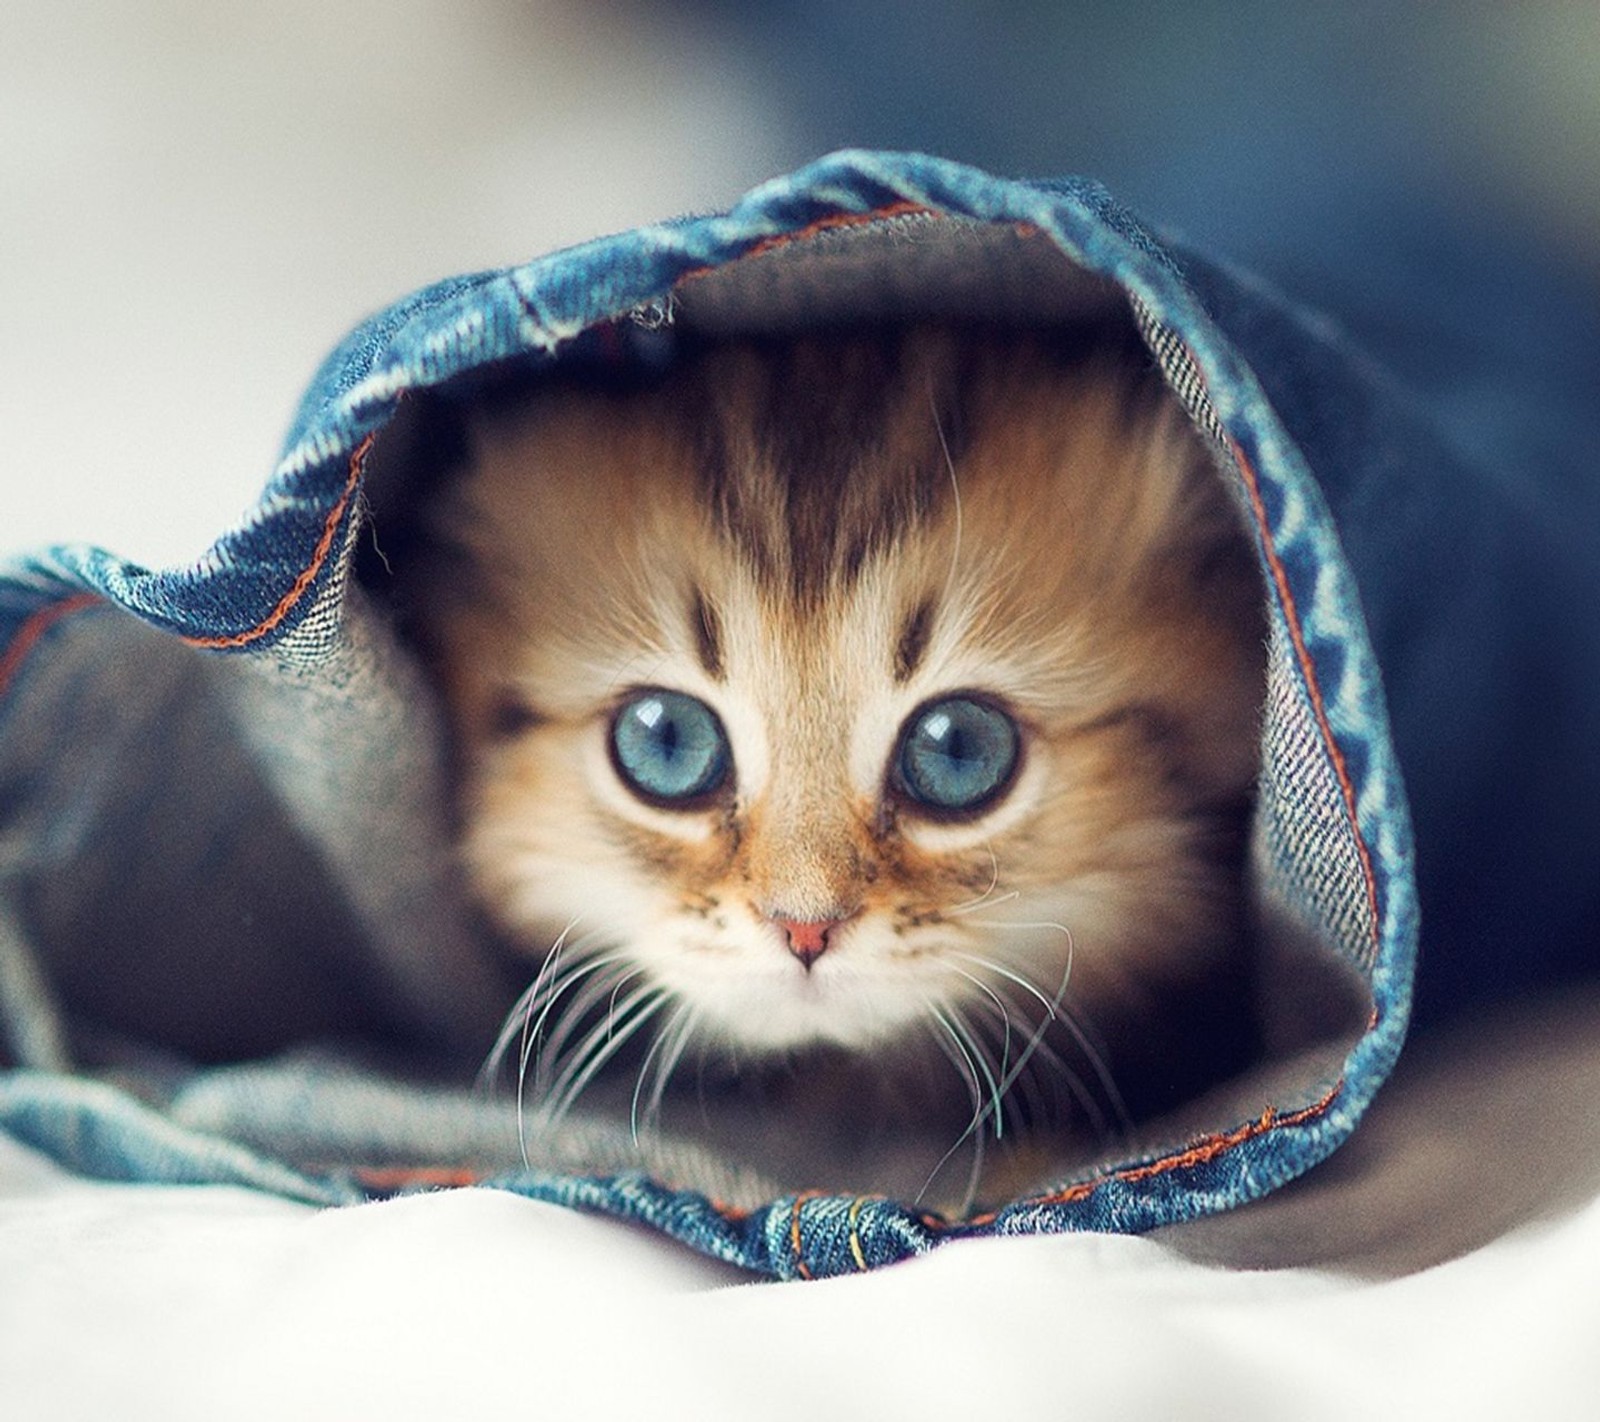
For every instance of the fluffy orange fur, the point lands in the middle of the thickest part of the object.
(816, 538)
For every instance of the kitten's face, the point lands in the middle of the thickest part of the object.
(851, 688)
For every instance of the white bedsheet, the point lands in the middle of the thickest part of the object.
(131, 1302)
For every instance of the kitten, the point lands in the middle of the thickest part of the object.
(864, 694)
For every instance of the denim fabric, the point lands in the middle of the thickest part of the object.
(1403, 579)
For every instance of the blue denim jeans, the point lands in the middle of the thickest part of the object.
(209, 775)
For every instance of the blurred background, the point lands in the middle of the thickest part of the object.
(198, 198)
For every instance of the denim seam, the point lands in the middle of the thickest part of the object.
(1291, 615)
(33, 630)
(796, 1239)
(308, 575)
(1199, 1152)
(856, 1252)
(833, 220)
(382, 1181)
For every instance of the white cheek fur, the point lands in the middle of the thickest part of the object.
(749, 993)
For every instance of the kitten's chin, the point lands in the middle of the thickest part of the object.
(783, 1012)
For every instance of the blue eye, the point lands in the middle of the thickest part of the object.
(957, 754)
(669, 747)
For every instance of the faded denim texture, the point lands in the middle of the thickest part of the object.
(1426, 534)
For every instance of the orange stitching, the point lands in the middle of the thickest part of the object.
(903, 208)
(319, 556)
(34, 628)
(794, 1232)
(1202, 1151)
(855, 1238)
(1292, 616)
(1210, 1148)
(399, 1177)
(1199, 1152)
(734, 1214)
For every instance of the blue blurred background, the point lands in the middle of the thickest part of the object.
(198, 199)
(1222, 115)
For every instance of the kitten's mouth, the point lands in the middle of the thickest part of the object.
(792, 1004)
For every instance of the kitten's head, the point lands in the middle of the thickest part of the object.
(845, 686)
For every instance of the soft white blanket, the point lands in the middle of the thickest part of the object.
(1446, 1263)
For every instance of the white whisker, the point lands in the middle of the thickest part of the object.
(602, 984)
(955, 490)
(1005, 1048)
(522, 1010)
(962, 910)
(991, 1112)
(1055, 1012)
(1052, 1006)
(1102, 1072)
(994, 881)
(955, 1047)
(685, 1021)
(534, 1045)
(602, 1043)
(1026, 1074)
(669, 1043)
(530, 1037)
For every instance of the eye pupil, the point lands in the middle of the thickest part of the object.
(669, 747)
(957, 754)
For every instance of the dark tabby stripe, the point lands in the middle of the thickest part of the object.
(913, 643)
(707, 628)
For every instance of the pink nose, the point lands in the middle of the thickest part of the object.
(808, 939)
